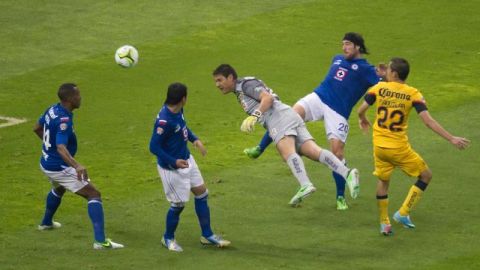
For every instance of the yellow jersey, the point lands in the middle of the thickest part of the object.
(394, 103)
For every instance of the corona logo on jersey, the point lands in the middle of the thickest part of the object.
(385, 92)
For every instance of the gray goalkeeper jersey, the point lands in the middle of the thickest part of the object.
(248, 90)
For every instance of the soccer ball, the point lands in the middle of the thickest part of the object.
(126, 56)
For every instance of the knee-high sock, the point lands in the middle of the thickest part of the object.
(203, 214)
(332, 162)
(52, 203)
(382, 202)
(297, 167)
(95, 212)
(265, 142)
(339, 182)
(173, 217)
(413, 197)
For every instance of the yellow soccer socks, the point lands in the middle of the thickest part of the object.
(413, 197)
(382, 202)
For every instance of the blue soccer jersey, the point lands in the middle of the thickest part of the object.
(57, 123)
(169, 138)
(346, 82)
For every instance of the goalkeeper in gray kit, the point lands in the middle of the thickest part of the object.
(285, 126)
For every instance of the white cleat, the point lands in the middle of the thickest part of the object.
(55, 225)
(353, 183)
(108, 244)
(215, 240)
(171, 244)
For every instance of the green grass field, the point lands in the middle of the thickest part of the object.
(288, 44)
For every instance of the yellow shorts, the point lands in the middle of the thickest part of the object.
(386, 159)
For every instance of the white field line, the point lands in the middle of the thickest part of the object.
(11, 121)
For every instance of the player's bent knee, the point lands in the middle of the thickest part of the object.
(202, 195)
(197, 191)
(426, 176)
(59, 191)
(177, 204)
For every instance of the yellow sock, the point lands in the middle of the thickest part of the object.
(383, 210)
(411, 200)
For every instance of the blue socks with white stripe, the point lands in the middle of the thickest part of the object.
(173, 217)
(203, 214)
(95, 211)
(52, 204)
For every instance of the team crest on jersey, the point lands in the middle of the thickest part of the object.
(64, 119)
(63, 126)
(159, 130)
(354, 66)
(340, 74)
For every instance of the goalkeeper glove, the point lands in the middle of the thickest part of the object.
(249, 123)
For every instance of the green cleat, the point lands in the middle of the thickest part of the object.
(302, 193)
(253, 152)
(341, 203)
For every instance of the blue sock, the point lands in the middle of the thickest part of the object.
(95, 211)
(203, 214)
(173, 217)
(52, 204)
(265, 142)
(340, 182)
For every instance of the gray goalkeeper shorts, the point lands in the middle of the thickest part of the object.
(284, 121)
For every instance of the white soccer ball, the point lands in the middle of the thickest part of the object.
(126, 56)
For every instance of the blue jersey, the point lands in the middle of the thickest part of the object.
(57, 123)
(169, 138)
(346, 82)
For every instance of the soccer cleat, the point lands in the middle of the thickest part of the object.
(171, 244)
(107, 244)
(302, 193)
(405, 220)
(253, 152)
(55, 225)
(214, 240)
(341, 203)
(353, 183)
(386, 229)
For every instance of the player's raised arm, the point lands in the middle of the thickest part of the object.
(459, 142)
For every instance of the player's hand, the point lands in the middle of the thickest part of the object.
(199, 145)
(181, 164)
(459, 142)
(248, 124)
(364, 125)
(81, 173)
